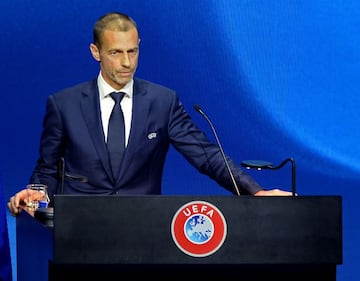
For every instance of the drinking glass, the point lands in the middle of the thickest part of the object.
(37, 196)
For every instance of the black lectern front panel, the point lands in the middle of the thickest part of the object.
(197, 230)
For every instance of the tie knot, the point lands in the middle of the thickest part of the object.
(117, 96)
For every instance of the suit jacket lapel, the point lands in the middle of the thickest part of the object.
(90, 107)
(140, 110)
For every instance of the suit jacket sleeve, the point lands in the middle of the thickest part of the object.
(204, 155)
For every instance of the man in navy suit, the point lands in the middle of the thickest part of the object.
(77, 118)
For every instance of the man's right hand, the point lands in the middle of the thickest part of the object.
(21, 199)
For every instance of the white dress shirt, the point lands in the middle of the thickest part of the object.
(107, 104)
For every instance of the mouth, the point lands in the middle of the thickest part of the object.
(125, 74)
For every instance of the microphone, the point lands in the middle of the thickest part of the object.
(198, 109)
(46, 215)
(61, 174)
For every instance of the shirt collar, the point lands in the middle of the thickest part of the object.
(105, 89)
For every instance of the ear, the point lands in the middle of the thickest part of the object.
(95, 52)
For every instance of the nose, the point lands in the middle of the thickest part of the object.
(125, 60)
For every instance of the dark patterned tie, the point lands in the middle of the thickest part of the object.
(116, 134)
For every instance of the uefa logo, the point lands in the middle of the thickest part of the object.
(198, 228)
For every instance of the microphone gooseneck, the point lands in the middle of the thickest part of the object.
(61, 171)
(198, 109)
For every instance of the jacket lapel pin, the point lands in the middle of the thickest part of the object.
(151, 136)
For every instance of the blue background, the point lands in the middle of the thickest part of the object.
(277, 78)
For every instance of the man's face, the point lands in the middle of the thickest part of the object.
(118, 56)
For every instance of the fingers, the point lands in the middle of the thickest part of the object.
(278, 192)
(13, 206)
(16, 201)
(273, 192)
(22, 198)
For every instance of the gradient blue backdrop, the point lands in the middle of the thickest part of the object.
(277, 78)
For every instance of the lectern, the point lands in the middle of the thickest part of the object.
(190, 237)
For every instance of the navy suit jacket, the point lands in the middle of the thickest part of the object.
(72, 129)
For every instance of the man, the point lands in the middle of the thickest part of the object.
(77, 120)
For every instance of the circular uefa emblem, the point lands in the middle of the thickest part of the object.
(198, 228)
